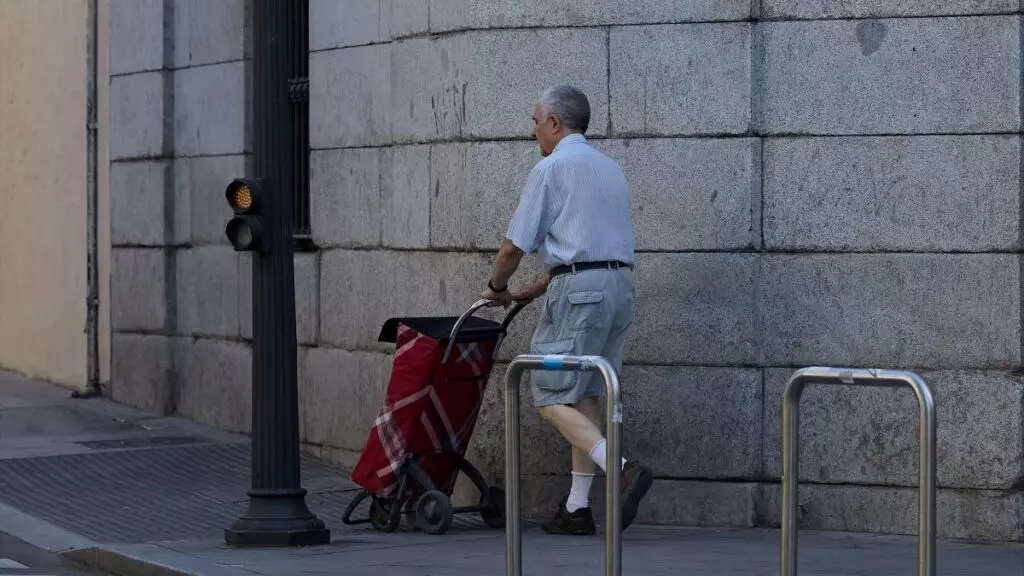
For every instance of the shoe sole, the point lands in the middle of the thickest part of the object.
(636, 493)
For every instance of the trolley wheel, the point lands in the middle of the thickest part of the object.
(380, 516)
(494, 515)
(434, 512)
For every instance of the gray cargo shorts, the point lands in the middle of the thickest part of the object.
(584, 313)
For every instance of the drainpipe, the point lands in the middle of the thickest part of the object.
(92, 301)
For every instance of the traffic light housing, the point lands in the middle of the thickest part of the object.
(245, 229)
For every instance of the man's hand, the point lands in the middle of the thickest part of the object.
(530, 292)
(504, 298)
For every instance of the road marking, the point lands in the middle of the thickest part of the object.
(5, 563)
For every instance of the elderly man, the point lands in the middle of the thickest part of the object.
(575, 210)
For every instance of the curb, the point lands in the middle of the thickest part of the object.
(117, 559)
(149, 560)
(40, 533)
(122, 563)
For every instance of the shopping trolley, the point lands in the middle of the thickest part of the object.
(418, 442)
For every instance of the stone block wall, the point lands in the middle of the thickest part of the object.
(179, 134)
(814, 183)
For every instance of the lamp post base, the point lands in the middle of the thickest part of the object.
(277, 518)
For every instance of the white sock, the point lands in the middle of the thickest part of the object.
(599, 454)
(579, 495)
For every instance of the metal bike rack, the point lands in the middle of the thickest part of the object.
(791, 452)
(613, 520)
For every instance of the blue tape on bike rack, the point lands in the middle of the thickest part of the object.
(553, 362)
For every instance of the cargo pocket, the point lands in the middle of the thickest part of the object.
(586, 310)
(554, 380)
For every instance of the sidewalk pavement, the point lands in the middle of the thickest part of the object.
(134, 495)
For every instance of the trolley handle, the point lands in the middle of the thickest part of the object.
(516, 308)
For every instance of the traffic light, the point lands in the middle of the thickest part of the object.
(245, 229)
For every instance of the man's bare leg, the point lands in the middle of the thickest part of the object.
(574, 426)
(581, 461)
(580, 424)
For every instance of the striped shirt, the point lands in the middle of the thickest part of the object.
(574, 208)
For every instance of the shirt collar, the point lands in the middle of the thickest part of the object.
(574, 138)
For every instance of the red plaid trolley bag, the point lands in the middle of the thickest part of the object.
(419, 438)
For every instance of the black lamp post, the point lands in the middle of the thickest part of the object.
(277, 513)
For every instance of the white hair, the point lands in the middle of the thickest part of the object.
(569, 104)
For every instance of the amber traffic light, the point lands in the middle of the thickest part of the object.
(245, 229)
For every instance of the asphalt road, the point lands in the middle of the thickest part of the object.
(20, 559)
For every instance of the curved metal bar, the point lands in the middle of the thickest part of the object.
(613, 422)
(791, 452)
(458, 326)
(516, 308)
(509, 316)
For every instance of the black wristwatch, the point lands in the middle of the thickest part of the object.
(491, 287)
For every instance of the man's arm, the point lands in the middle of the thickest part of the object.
(507, 262)
(509, 257)
(525, 233)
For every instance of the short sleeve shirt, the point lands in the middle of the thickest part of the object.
(575, 207)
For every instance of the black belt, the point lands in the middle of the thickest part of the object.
(579, 266)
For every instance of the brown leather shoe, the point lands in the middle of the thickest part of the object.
(636, 481)
(578, 523)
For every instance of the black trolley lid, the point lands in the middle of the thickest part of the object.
(439, 328)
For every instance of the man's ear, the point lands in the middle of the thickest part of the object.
(556, 123)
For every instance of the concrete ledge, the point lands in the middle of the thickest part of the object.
(40, 533)
(148, 560)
